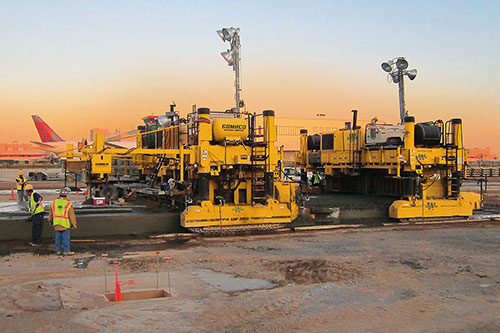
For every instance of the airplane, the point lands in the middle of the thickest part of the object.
(16, 152)
(53, 143)
(23, 157)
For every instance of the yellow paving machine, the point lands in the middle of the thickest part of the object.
(421, 164)
(223, 172)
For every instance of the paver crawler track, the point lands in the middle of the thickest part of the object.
(215, 230)
(436, 219)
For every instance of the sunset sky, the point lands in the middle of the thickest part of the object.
(106, 64)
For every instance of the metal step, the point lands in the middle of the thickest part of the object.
(258, 158)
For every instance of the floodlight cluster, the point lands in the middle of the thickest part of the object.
(232, 56)
(397, 68)
(230, 35)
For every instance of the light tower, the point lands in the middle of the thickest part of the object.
(232, 56)
(397, 69)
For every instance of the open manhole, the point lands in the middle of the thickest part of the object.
(135, 295)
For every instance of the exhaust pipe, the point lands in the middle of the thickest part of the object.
(354, 119)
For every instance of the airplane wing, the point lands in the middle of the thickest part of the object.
(46, 145)
(119, 136)
(123, 144)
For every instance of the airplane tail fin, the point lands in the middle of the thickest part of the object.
(46, 133)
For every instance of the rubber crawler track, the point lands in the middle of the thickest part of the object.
(216, 230)
(436, 219)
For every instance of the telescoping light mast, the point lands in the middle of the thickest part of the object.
(232, 56)
(397, 69)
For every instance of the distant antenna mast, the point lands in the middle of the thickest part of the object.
(232, 56)
(397, 69)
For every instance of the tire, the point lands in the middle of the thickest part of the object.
(110, 192)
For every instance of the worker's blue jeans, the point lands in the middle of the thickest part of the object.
(21, 197)
(62, 238)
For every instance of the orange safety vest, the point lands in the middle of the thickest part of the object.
(60, 212)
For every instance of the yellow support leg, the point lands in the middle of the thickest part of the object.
(209, 215)
(431, 208)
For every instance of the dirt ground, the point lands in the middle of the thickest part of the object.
(409, 279)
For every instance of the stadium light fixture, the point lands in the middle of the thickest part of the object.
(412, 74)
(395, 77)
(227, 33)
(228, 55)
(387, 67)
(401, 63)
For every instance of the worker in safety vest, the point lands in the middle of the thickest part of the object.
(316, 180)
(20, 186)
(62, 217)
(35, 206)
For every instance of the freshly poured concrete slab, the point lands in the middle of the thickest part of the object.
(13, 207)
(96, 225)
(230, 283)
(40, 191)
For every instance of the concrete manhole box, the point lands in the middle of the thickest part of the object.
(135, 295)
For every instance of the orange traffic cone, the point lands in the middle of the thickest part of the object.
(118, 292)
(12, 197)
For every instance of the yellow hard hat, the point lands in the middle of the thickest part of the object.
(20, 173)
(28, 187)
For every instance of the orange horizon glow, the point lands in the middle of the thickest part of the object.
(73, 115)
